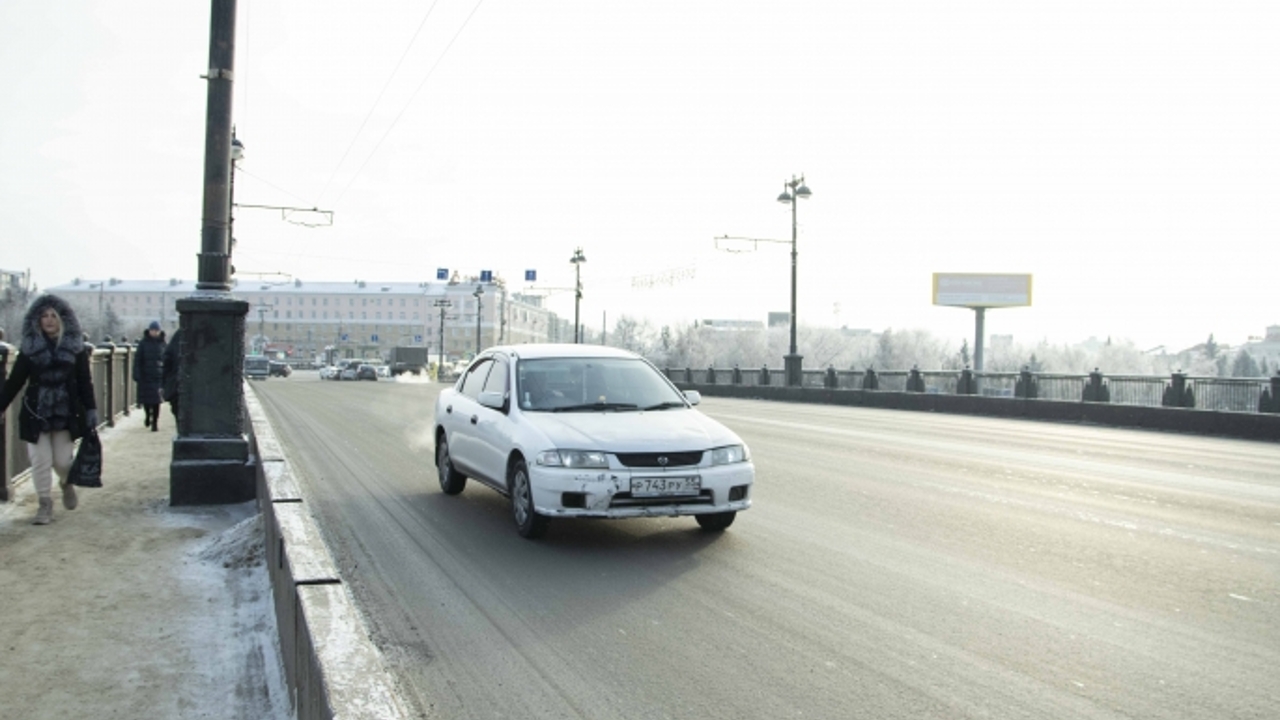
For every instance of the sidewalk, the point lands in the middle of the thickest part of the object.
(128, 608)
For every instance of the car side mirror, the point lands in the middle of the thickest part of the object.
(495, 400)
(693, 396)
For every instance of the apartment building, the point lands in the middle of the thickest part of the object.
(359, 318)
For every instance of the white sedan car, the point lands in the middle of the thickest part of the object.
(587, 431)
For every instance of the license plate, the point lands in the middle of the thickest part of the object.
(659, 486)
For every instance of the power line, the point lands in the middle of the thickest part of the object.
(408, 102)
(377, 100)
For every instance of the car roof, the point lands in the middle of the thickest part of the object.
(538, 351)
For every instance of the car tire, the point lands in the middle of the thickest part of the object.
(529, 524)
(715, 522)
(451, 481)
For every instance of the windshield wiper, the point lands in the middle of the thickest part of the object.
(588, 407)
(666, 405)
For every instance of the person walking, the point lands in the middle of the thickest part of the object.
(58, 406)
(148, 373)
(172, 363)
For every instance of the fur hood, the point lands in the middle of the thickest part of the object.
(33, 342)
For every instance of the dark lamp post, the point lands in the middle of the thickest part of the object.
(793, 190)
(577, 260)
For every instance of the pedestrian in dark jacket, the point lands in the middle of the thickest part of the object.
(58, 406)
(148, 372)
(172, 363)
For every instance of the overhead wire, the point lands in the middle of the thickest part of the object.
(376, 101)
(408, 102)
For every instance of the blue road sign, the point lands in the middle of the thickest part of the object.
(442, 273)
(530, 275)
(417, 338)
(486, 276)
(344, 337)
(373, 338)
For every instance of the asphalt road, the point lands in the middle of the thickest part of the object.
(895, 565)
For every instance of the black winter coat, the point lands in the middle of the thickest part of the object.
(148, 369)
(59, 384)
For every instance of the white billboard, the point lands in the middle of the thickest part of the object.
(978, 290)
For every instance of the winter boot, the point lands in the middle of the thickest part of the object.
(69, 500)
(44, 515)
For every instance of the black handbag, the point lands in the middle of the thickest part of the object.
(86, 469)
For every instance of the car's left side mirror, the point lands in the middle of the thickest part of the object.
(495, 400)
(693, 396)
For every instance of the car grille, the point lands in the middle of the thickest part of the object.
(624, 499)
(673, 459)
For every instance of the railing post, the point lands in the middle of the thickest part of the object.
(915, 381)
(830, 381)
(109, 412)
(688, 374)
(1096, 388)
(968, 384)
(1026, 386)
(1270, 400)
(737, 375)
(871, 381)
(1178, 393)
(764, 374)
(5, 350)
(711, 374)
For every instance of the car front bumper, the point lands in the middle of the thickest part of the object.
(564, 492)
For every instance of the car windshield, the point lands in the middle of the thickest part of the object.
(593, 384)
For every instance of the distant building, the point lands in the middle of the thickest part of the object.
(1267, 348)
(360, 318)
(735, 325)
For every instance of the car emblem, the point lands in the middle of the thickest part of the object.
(662, 460)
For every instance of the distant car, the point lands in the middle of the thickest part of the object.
(347, 373)
(328, 372)
(587, 431)
(257, 367)
(366, 372)
(384, 371)
(281, 369)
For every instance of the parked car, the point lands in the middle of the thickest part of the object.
(348, 372)
(587, 431)
(329, 372)
(384, 371)
(280, 369)
(366, 372)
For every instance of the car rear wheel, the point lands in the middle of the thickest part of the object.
(451, 481)
(715, 522)
(529, 523)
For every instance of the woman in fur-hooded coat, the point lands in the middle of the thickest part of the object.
(148, 372)
(58, 404)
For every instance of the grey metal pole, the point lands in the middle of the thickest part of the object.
(795, 200)
(577, 300)
(214, 272)
(979, 331)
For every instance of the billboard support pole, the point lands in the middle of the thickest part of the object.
(979, 315)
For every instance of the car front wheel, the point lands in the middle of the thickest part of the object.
(529, 523)
(715, 522)
(451, 481)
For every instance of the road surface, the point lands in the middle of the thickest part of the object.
(895, 565)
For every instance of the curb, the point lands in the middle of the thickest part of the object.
(332, 667)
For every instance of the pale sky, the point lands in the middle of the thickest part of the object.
(1125, 154)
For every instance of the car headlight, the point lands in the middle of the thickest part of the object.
(573, 459)
(730, 454)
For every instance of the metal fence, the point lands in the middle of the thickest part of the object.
(1247, 395)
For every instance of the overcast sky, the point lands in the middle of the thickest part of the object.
(1125, 154)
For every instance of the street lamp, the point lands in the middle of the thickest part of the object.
(443, 305)
(479, 305)
(577, 260)
(237, 154)
(791, 192)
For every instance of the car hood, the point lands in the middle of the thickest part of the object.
(654, 431)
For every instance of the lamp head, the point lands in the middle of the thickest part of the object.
(785, 198)
(237, 150)
(803, 192)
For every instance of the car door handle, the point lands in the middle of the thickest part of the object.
(448, 409)
(475, 419)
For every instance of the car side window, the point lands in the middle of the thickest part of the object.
(474, 382)
(497, 381)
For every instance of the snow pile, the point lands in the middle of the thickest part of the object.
(238, 547)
